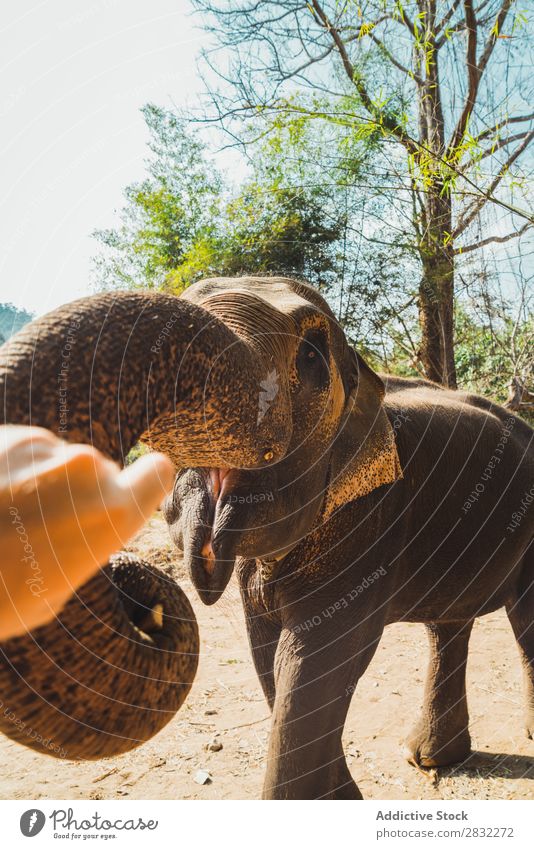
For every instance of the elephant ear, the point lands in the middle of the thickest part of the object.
(364, 454)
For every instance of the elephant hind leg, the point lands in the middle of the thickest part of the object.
(441, 735)
(521, 615)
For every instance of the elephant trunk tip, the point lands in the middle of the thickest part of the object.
(151, 619)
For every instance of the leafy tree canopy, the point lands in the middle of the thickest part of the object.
(164, 214)
(183, 222)
(11, 320)
(307, 208)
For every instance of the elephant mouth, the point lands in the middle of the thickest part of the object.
(220, 514)
(219, 484)
(214, 549)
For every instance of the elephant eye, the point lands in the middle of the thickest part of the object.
(312, 360)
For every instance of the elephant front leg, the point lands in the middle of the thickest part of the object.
(262, 628)
(263, 638)
(314, 685)
(441, 736)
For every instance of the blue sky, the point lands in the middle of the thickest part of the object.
(73, 77)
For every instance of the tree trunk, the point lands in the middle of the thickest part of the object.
(436, 291)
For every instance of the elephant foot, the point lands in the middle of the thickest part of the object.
(433, 748)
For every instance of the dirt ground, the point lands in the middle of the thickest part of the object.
(226, 700)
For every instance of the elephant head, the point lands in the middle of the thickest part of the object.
(119, 660)
(341, 444)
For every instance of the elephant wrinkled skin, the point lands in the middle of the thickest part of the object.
(396, 500)
(118, 662)
(344, 501)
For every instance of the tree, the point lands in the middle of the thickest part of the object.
(426, 77)
(183, 223)
(165, 213)
(495, 338)
(286, 218)
(265, 232)
(296, 215)
(11, 320)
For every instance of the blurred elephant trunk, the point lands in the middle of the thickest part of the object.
(109, 672)
(119, 660)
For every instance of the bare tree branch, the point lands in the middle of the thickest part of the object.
(294, 72)
(473, 76)
(472, 211)
(460, 26)
(448, 16)
(475, 69)
(361, 31)
(405, 19)
(494, 35)
(499, 145)
(515, 119)
(491, 240)
(383, 120)
(394, 61)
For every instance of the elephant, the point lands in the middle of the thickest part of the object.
(395, 500)
(117, 663)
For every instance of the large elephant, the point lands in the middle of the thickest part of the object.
(395, 500)
(119, 660)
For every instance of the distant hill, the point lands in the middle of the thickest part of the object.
(11, 320)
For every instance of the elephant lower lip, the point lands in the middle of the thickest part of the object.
(211, 577)
(212, 566)
(220, 482)
(208, 554)
(224, 521)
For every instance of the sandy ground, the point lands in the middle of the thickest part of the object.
(226, 700)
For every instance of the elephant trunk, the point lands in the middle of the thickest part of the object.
(116, 367)
(109, 672)
(119, 660)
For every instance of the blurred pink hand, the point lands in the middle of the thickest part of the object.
(63, 510)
